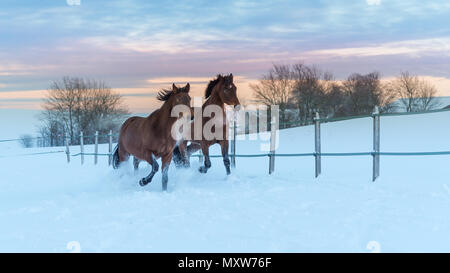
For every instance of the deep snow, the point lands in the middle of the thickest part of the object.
(46, 203)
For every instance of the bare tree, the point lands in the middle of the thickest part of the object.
(415, 94)
(311, 91)
(75, 104)
(387, 99)
(52, 129)
(364, 92)
(308, 89)
(427, 97)
(26, 141)
(275, 88)
(335, 100)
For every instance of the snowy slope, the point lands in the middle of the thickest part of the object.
(46, 203)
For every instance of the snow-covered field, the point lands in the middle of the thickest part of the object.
(46, 203)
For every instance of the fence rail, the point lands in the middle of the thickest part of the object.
(37, 153)
(337, 154)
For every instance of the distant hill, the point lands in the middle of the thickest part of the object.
(15, 122)
(443, 102)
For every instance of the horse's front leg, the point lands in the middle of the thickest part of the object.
(184, 155)
(226, 159)
(205, 150)
(165, 170)
(155, 166)
(192, 148)
(136, 163)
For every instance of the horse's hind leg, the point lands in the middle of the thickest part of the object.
(165, 170)
(180, 157)
(120, 155)
(184, 155)
(155, 166)
(192, 148)
(205, 150)
(136, 163)
(115, 158)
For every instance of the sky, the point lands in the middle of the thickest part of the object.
(137, 47)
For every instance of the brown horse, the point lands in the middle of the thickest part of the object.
(219, 92)
(151, 138)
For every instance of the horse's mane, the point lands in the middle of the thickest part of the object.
(211, 86)
(165, 94)
(213, 83)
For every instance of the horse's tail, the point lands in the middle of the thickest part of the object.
(115, 158)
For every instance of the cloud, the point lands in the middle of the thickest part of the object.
(150, 44)
(15, 69)
(159, 43)
(413, 48)
(183, 80)
(373, 2)
(18, 69)
(36, 94)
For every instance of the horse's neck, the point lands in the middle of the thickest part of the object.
(162, 118)
(214, 99)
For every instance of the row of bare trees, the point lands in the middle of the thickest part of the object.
(301, 90)
(73, 105)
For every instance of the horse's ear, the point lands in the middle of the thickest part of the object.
(174, 88)
(231, 77)
(187, 88)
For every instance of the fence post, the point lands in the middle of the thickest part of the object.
(376, 144)
(96, 148)
(257, 121)
(317, 145)
(110, 148)
(82, 147)
(273, 136)
(67, 149)
(200, 157)
(233, 143)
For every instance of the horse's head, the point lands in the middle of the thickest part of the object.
(176, 96)
(225, 89)
(181, 95)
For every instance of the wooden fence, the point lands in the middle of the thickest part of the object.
(317, 154)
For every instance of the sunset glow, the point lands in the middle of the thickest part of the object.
(139, 47)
